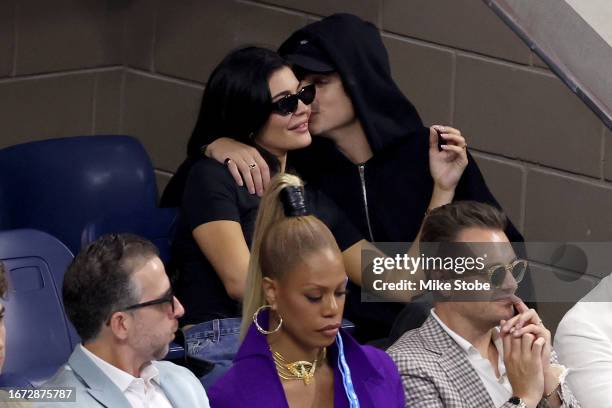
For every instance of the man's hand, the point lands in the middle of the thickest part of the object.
(447, 166)
(245, 163)
(523, 360)
(528, 322)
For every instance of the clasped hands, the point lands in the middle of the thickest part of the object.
(527, 354)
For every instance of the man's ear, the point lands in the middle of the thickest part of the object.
(435, 274)
(442, 277)
(447, 294)
(270, 289)
(120, 324)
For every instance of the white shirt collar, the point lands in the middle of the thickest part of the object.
(463, 343)
(119, 377)
(499, 388)
(466, 345)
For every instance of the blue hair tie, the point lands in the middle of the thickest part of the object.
(347, 381)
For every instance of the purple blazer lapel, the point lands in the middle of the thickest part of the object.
(255, 358)
(364, 374)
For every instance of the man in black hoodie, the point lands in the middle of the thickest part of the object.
(372, 156)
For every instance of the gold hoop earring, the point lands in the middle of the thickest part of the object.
(261, 329)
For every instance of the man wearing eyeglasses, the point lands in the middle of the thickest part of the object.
(483, 348)
(119, 299)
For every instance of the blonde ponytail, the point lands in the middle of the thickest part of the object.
(279, 243)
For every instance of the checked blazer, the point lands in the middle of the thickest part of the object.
(437, 374)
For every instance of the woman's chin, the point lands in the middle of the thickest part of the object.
(299, 141)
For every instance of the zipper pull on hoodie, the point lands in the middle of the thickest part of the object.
(364, 194)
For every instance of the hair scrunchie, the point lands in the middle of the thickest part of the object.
(293, 201)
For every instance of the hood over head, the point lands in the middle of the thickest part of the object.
(354, 49)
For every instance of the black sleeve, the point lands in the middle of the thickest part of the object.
(472, 186)
(173, 193)
(210, 194)
(326, 210)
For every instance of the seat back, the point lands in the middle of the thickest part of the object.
(60, 185)
(39, 336)
(155, 224)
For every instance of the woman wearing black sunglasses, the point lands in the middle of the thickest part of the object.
(253, 97)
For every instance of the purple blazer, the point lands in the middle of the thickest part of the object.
(253, 381)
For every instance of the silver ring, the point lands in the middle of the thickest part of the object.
(252, 165)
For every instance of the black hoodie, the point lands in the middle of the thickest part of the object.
(387, 196)
(395, 182)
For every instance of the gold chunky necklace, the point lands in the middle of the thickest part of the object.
(298, 370)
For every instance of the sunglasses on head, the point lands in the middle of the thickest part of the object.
(497, 273)
(289, 103)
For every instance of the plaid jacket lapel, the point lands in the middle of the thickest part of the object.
(456, 365)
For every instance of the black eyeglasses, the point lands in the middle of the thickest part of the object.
(167, 298)
(497, 273)
(289, 103)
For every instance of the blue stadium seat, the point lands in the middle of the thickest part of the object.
(79, 188)
(14, 381)
(60, 185)
(39, 336)
(155, 224)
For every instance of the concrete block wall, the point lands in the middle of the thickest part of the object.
(74, 67)
(60, 69)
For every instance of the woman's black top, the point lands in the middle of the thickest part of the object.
(211, 194)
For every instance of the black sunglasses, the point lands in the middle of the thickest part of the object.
(167, 298)
(289, 103)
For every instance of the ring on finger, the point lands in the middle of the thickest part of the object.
(227, 161)
(252, 166)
